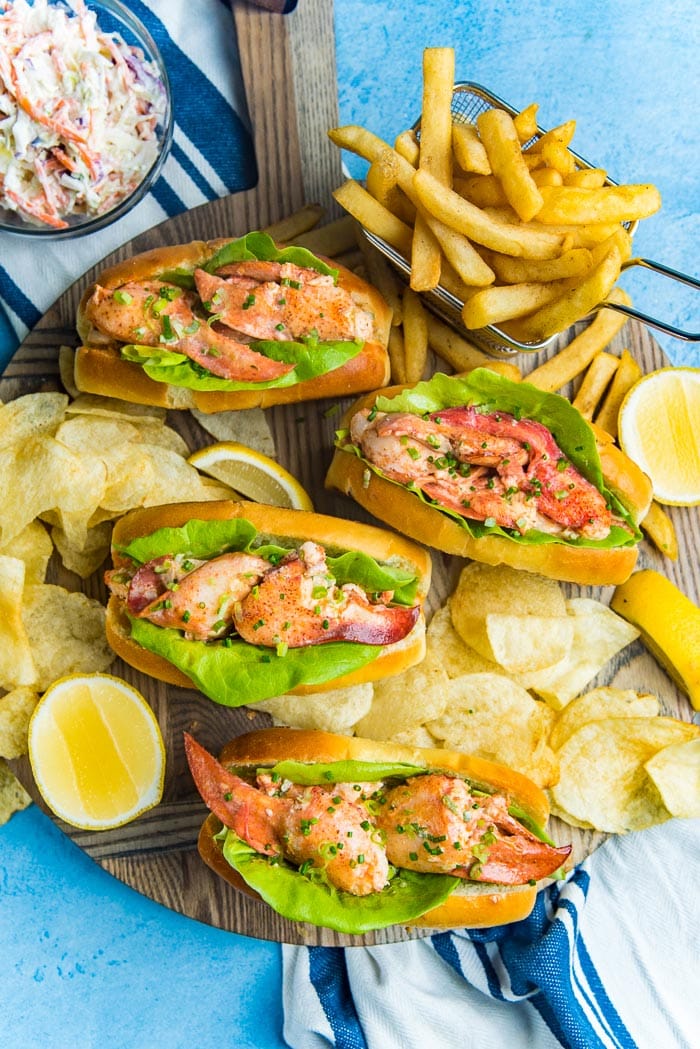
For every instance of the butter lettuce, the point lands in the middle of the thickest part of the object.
(308, 898)
(492, 392)
(309, 355)
(234, 672)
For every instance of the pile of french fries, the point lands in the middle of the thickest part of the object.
(503, 217)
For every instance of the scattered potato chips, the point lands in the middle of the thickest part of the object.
(16, 663)
(598, 635)
(516, 619)
(495, 718)
(675, 771)
(598, 705)
(16, 708)
(445, 648)
(66, 633)
(33, 546)
(404, 702)
(249, 427)
(13, 796)
(337, 710)
(603, 782)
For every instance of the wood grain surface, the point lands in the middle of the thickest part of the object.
(289, 71)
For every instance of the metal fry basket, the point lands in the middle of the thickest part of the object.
(468, 101)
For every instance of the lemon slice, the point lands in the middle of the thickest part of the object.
(251, 474)
(659, 429)
(96, 751)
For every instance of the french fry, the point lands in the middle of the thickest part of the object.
(461, 354)
(435, 157)
(358, 140)
(462, 255)
(483, 190)
(425, 257)
(505, 301)
(575, 303)
(526, 122)
(574, 358)
(381, 181)
(289, 229)
(583, 236)
(479, 226)
(374, 216)
(563, 134)
(333, 239)
(547, 177)
(573, 263)
(406, 145)
(607, 204)
(557, 156)
(397, 355)
(625, 377)
(588, 178)
(502, 145)
(469, 150)
(594, 383)
(415, 337)
(384, 278)
(659, 527)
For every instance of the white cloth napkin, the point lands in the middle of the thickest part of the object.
(607, 960)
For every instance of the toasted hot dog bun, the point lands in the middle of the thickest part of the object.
(400, 508)
(273, 521)
(472, 905)
(100, 369)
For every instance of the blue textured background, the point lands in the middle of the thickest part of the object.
(88, 962)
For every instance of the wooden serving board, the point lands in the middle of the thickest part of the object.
(289, 69)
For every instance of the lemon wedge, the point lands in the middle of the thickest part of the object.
(659, 429)
(669, 625)
(96, 751)
(252, 474)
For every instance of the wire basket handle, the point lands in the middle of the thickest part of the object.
(654, 322)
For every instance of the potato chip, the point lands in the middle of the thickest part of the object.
(13, 796)
(405, 701)
(516, 619)
(337, 710)
(131, 476)
(88, 558)
(416, 737)
(66, 633)
(16, 708)
(598, 705)
(249, 427)
(16, 663)
(31, 415)
(111, 408)
(445, 648)
(43, 474)
(603, 781)
(159, 436)
(598, 635)
(177, 482)
(675, 771)
(493, 717)
(34, 547)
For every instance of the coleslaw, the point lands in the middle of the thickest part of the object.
(80, 111)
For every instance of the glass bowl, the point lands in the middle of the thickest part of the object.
(113, 18)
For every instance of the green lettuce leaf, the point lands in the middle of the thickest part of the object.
(307, 898)
(310, 358)
(262, 247)
(350, 771)
(234, 672)
(493, 392)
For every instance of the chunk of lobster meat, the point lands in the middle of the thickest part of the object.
(314, 826)
(201, 602)
(283, 308)
(298, 603)
(151, 313)
(436, 824)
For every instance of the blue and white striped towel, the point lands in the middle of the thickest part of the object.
(606, 960)
(211, 156)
